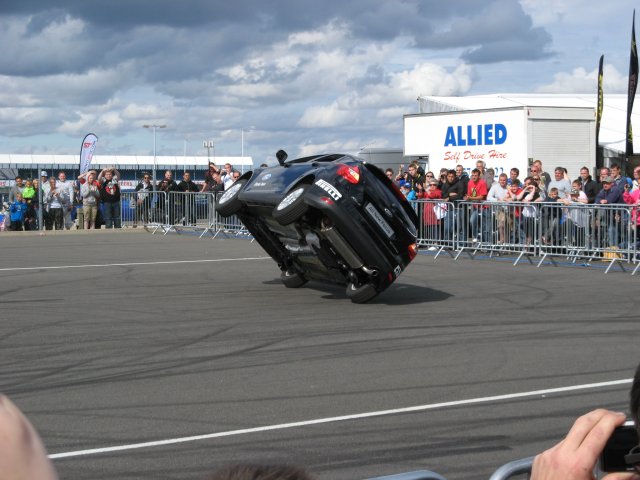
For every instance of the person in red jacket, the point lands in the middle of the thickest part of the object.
(433, 212)
(480, 222)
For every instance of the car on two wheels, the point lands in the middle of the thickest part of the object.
(332, 218)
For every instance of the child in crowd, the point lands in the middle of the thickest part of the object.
(30, 196)
(551, 217)
(408, 192)
(17, 212)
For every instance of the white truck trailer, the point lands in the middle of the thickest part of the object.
(504, 138)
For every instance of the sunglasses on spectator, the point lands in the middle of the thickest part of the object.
(433, 184)
(429, 175)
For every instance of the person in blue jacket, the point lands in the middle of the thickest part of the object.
(17, 212)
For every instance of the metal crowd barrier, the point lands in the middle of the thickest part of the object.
(546, 231)
(145, 209)
(532, 229)
(437, 225)
(188, 210)
(227, 226)
(177, 211)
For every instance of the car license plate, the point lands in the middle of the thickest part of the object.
(377, 217)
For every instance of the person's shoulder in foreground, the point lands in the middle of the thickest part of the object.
(22, 454)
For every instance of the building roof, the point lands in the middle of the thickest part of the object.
(614, 113)
(9, 160)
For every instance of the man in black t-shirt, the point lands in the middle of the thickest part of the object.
(166, 201)
(109, 179)
(190, 189)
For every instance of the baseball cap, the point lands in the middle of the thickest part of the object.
(44, 173)
(607, 180)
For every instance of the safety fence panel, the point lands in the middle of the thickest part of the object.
(532, 229)
(175, 211)
(436, 229)
(548, 231)
(588, 232)
(190, 209)
(143, 208)
(227, 225)
(497, 228)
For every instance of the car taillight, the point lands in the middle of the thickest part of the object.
(413, 251)
(350, 173)
(396, 191)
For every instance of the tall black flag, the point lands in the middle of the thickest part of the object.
(633, 84)
(599, 111)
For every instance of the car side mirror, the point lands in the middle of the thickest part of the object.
(281, 155)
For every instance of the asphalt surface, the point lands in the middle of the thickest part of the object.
(116, 339)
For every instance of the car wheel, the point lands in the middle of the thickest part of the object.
(361, 294)
(292, 279)
(228, 203)
(292, 206)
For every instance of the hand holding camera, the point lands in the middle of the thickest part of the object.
(582, 445)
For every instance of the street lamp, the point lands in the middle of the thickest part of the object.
(208, 144)
(154, 149)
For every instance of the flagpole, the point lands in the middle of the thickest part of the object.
(633, 84)
(599, 159)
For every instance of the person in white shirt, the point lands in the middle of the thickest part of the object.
(227, 175)
(56, 200)
(67, 187)
(498, 190)
(497, 193)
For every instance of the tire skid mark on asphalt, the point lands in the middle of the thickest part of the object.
(357, 416)
(147, 371)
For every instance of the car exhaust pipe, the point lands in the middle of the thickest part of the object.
(343, 248)
(372, 272)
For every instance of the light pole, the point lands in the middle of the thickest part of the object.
(154, 150)
(208, 144)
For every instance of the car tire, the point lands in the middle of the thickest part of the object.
(292, 279)
(292, 206)
(228, 204)
(361, 294)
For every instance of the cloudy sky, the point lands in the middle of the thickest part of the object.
(306, 76)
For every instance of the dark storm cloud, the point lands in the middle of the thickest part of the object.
(496, 32)
(531, 47)
(172, 40)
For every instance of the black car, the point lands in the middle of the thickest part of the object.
(327, 217)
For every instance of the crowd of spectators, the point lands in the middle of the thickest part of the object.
(538, 186)
(95, 199)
